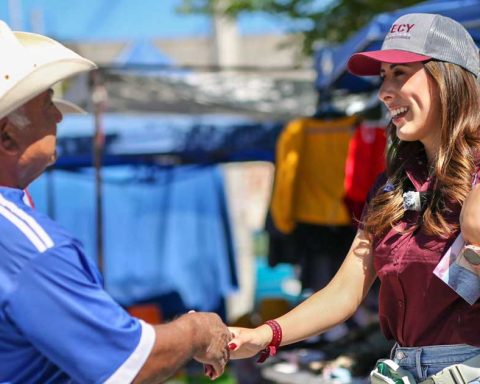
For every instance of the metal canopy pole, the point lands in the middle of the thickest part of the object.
(99, 99)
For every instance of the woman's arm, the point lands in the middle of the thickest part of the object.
(321, 311)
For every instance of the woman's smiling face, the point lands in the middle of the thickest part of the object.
(411, 96)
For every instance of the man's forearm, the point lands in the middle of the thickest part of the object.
(174, 346)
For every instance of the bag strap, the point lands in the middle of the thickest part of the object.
(462, 373)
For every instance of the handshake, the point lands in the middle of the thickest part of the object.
(215, 343)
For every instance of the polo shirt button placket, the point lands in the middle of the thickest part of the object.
(401, 314)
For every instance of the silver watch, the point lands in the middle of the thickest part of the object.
(472, 254)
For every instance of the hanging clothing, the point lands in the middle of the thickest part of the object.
(159, 235)
(310, 170)
(320, 252)
(365, 161)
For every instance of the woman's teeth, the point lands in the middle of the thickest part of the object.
(397, 111)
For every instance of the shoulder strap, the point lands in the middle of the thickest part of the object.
(462, 373)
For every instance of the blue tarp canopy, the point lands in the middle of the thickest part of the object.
(167, 139)
(331, 62)
(142, 52)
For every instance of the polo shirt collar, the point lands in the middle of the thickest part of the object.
(416, 169)
(12, 194)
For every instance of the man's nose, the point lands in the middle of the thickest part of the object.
(58, 115)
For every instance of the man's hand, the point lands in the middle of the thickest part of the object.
(198, 335)
(211, 342)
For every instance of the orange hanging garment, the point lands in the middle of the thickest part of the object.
(310, 173)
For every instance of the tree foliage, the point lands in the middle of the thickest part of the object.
(319, 20)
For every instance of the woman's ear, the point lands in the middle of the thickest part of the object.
(8, 139)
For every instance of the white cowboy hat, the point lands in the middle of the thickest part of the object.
(32, 63)
(67, 107)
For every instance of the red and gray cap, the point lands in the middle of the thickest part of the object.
(419, 37)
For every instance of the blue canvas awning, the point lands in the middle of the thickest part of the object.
(142, 52)
(331, 62)
(159, 139)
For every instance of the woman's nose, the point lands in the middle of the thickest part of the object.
(385, 92)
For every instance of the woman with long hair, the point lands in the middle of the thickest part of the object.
(429, 67)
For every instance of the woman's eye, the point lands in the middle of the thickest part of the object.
(398, 73)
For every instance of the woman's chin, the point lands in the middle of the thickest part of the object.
(404, 135)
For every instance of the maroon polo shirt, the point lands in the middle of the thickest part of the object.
(416, 308)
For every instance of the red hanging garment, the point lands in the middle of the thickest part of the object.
(365, 161)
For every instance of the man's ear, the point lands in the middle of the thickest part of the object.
(8, 137)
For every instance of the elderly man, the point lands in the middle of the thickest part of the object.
(57, 323)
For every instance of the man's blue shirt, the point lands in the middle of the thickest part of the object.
(57, 323)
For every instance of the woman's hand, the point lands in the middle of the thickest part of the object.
(248, 342)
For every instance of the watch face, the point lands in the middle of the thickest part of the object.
(472, 255)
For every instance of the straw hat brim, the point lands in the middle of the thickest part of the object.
(50, 62)
(67, 107)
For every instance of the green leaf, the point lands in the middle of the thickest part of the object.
(331, 21)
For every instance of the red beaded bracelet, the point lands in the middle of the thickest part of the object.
(271, 349)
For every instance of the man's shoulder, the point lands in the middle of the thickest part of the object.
(24, 227)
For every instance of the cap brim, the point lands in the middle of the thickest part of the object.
(369, 63)
(67, 107)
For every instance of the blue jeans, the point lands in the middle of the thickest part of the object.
(422, 362)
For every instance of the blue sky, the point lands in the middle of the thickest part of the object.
(119, 19)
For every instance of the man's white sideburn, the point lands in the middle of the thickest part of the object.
(19, 118)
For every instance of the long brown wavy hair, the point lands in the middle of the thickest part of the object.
(454, 164)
